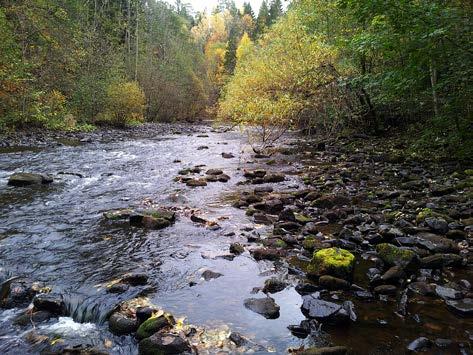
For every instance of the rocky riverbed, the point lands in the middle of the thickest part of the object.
(179, 239)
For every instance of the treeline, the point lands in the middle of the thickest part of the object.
(65, 63)
(71, 64)
(330, 65)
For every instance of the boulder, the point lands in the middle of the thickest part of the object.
(332, 261)
(152, 325)
(163, 344)
(395, 256)
(274, 285)
(436, 243)
(27, 179)
(121, 324)
(325, 311)
(267, 307)
(49, 302)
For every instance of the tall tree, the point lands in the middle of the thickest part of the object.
(275, 11)
(263, 20)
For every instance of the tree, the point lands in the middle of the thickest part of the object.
(275, 11)
(263, 20)
(245, 47)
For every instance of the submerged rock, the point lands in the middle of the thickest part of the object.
(267, 307)
(419, 344)
(26, 179)
(463, 307)
(153, 218)
(33, 318)
(333, 283)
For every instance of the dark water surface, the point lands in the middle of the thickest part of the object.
(56, 234)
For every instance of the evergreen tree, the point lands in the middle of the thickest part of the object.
(247, 10)
(263, 20)
(275, 11)
(230, 54)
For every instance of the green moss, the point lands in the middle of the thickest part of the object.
(422, 215)
(469, 172)
(302, 218)
(392, 255)
(250, 212)
(332, 261)
(151, 326)
(310, 243)
(280, 243)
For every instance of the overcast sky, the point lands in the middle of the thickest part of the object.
(201, 5)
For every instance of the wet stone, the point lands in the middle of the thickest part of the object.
(151, 326)
(26, 179)
(34, 318)
(49, 302)
(419, 344)
(385, 290)
(163, 344)
(208, 275)
(274, 285)
(121, 324)
(135, 279)
(447, 293)
(332, 350)
(313, 307)
(236, 248)
(333, 283)
(267, 307)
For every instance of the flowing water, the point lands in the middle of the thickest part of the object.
(56, 234)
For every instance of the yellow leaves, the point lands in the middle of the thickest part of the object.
(125, 103)
(244, 47)
(280, 76)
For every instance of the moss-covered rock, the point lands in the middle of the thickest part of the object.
(310, 243)
(332, 261)
(392, 255)
(153, 325)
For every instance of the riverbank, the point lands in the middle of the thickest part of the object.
(236, 255)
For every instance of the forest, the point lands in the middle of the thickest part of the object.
(236, 177)
(323, 66)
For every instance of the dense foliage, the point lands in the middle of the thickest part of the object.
(64, 61)
(337, 64)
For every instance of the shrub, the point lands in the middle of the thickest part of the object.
(125, 104)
